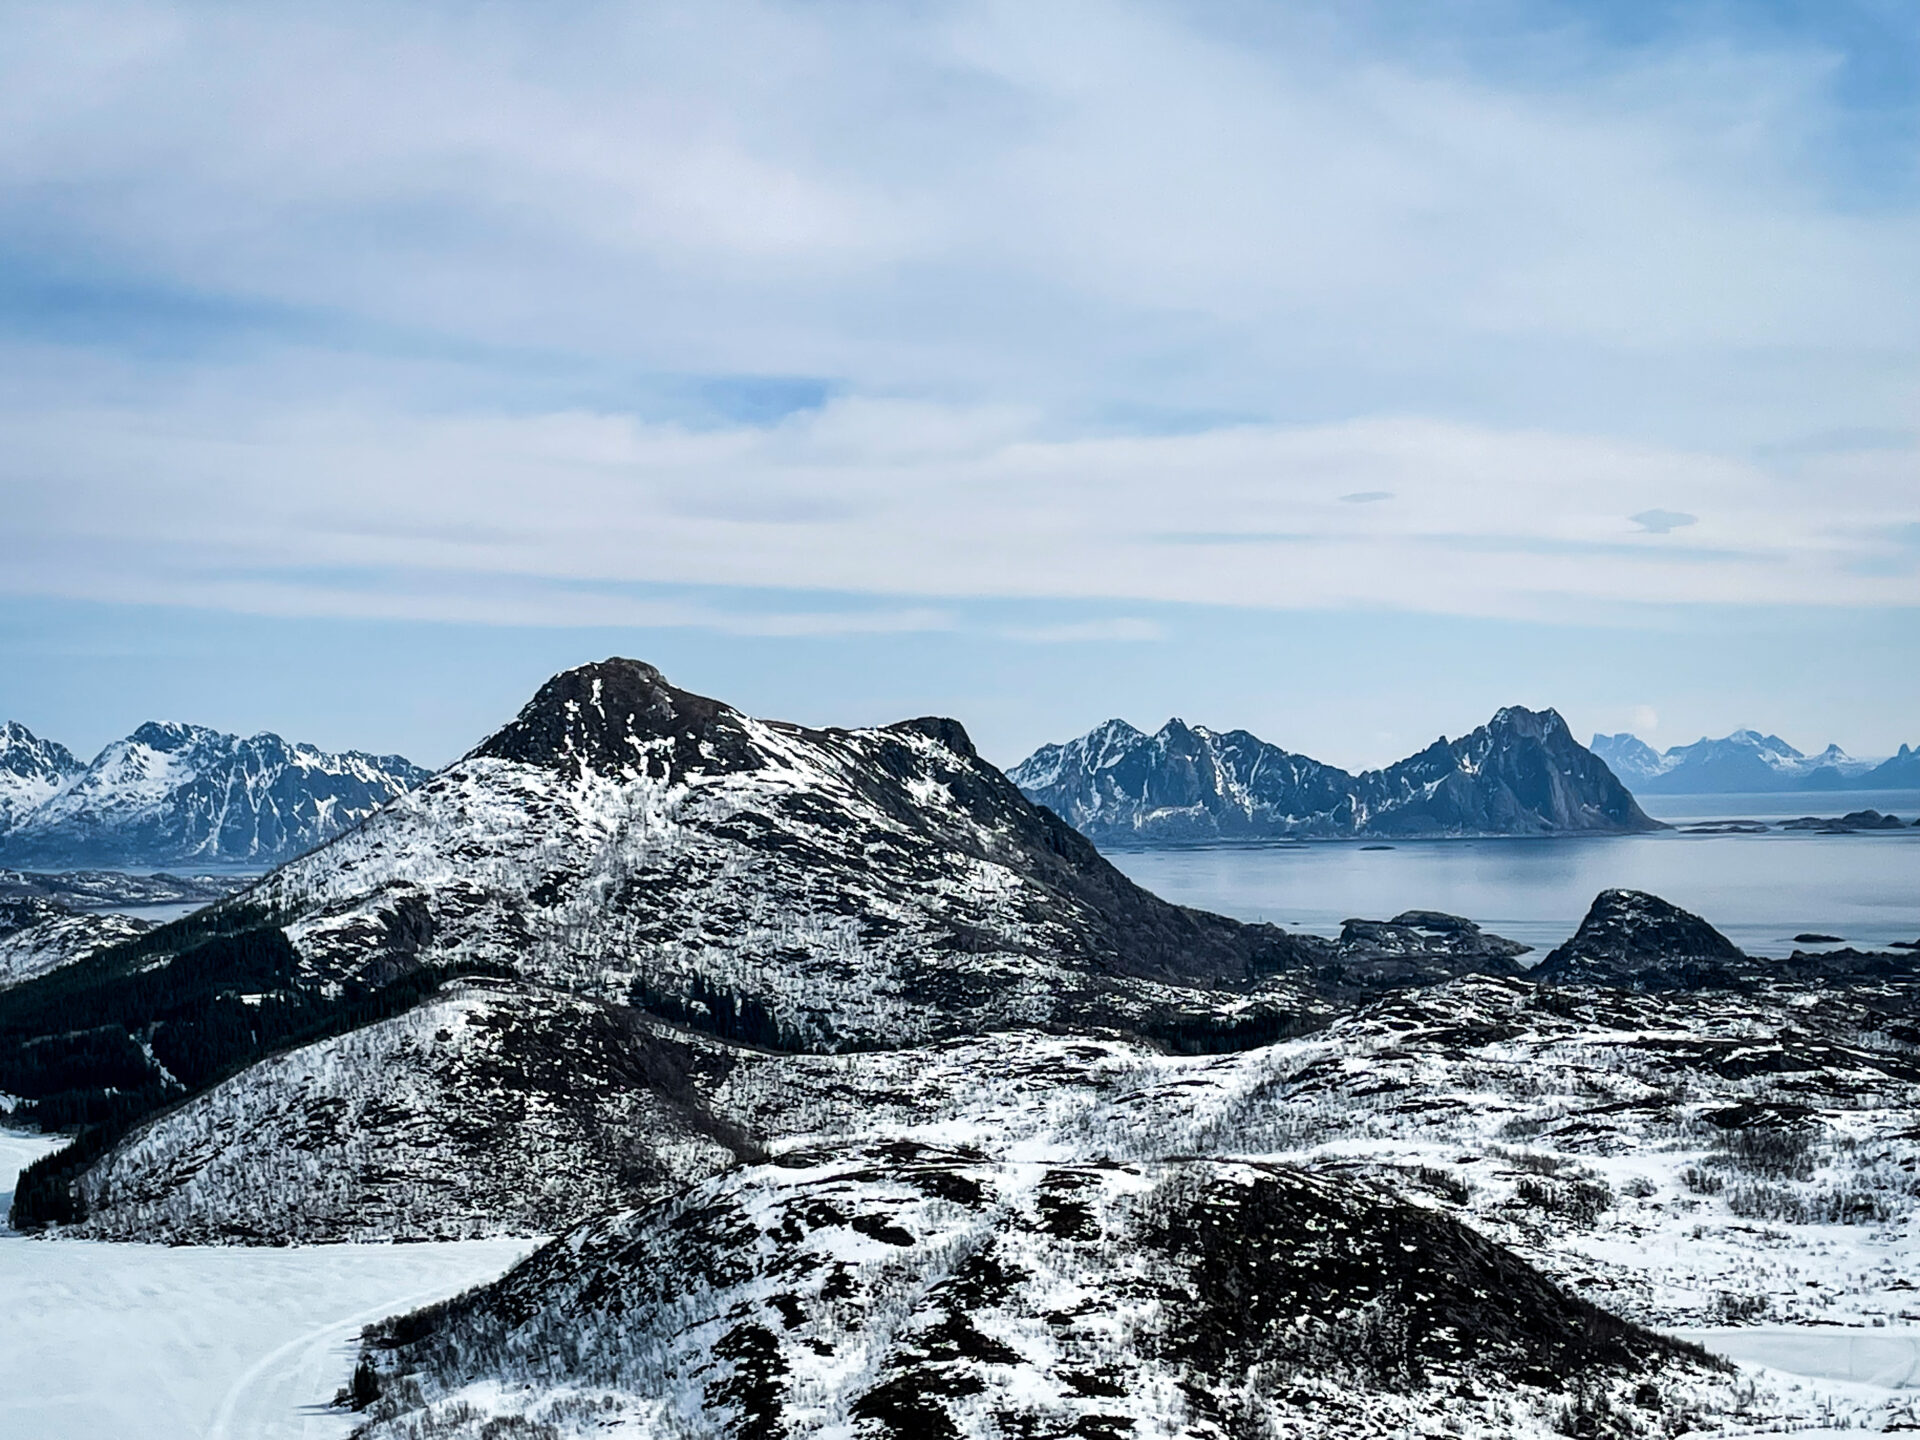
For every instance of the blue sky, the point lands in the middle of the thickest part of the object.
(1338, 371)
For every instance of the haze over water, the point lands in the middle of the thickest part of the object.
(1760, 890)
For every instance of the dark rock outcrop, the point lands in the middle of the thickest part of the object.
(1635, 939)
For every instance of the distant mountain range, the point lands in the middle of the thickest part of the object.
(171, 794)
(1522, 773)
(1747, 762)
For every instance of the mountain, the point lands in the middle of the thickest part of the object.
(659, 859)
(1899, 772)
(1522, 773)
(170, 794)
(32, 771)
(862, 1096)
(1745, 762)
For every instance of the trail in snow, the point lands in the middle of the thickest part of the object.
(184, 1344)
(1887, 1359)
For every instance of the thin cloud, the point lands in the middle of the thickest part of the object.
(1663, 522)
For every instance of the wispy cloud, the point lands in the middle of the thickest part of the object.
(513, 301)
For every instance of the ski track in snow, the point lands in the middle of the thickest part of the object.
(188, 1343)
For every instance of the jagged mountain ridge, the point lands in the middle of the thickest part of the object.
(1745, 762)
(32, 771)
(1521, 773)
(173, 794)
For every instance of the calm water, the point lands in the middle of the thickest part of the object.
(1761, 890)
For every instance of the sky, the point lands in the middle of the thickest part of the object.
(1336, 371)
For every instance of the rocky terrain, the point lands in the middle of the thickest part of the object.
(38, 935)
(1522, 773)
(1093, 1237)
(864, 1098)
(183, 794)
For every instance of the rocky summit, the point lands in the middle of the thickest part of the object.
(1632, 938)
(1522, 773)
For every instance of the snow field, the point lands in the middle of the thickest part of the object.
(199, 1343)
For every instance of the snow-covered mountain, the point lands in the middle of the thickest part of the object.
(629, 847)
(1743, 762)
(171, 794)
(1522, 773)
(32, 771)
(869, 1099)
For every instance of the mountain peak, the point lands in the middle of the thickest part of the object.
(25, 754)
(618, 716)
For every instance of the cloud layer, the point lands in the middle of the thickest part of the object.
(498, 313)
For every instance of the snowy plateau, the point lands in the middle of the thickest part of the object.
(860, 1097)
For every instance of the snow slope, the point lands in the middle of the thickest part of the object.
(814, 889)
(492, 1109)
(41, 935)
(32, 771)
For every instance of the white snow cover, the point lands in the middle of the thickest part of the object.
(798, 882)
(32, 772)
(490, 1110)
(1601, 1137)
(186, 1343)
(60, 938)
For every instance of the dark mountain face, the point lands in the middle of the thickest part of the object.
(177, 794)
(1522, 773)
(610, 717)
(1900, 772)
(1632, 938)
